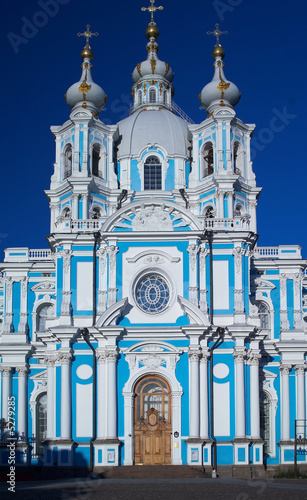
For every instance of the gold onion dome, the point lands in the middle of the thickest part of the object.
(85, 93)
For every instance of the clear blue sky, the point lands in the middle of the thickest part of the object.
(265, 57)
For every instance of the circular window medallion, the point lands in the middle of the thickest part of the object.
(152, 293)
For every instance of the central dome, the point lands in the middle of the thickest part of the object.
(160, 127)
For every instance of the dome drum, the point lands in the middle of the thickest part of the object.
(152, 94)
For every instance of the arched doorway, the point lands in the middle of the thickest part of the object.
(152, 421)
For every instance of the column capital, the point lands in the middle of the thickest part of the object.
(239, 356)
(65, 358)
(101, 358)
(22, 371)
(111, 356)
(50, 360)
(285, 369)
(194, 355)
(254, 358)
(6, 371)
(300, 369)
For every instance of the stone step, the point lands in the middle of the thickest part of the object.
(154, 471)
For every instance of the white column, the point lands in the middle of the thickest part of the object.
(112, 395)
(101, 396)
(203, 252)
(76, 150)
(85, 154)
(254, 395)
(285, 407)
(194, 393)
(6, 389)
(204, 404)
(75, 206)
(220, 204)
(22, 326)
(22, 428)
(66, 293)
(50, 361)
(230, 204)
(300, 393)
(65, 359)
(284, 322)
(85, 206)
(129, 438)
(8, 317)
(239, 395)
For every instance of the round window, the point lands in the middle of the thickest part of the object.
(152, 293)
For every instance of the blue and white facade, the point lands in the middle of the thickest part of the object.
(153, 251)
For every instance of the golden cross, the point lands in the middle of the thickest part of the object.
(88, 34)
(217, 33)
(152, 9)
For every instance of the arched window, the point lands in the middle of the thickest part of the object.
(41, 422)
(96, 213)
(165, 97)
(152, 173)
(96, 155)
(44, 313)
(209, 213)
(208, 160)
(264, 316)
(67, 161)
(152, 96)
(66, 213)
(153, 392)
(139, 97)
(238, 211)
(265, 421)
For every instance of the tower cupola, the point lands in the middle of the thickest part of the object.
(85, 93)
(152, 77)
(220, 91)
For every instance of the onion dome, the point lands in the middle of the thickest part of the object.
(220, 91)
(152, 65)
(85, 93)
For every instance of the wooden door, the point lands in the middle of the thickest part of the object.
(152, 424)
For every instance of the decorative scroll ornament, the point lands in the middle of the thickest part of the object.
(193, 250)
(152, 219)
(237, 253)
(283, 284)
(112, 250)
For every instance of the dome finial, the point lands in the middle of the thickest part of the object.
(218, 49)
(217, 34)
(87, 51)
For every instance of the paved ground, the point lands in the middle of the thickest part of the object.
(155, 489)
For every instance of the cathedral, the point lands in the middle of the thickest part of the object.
(153, 329)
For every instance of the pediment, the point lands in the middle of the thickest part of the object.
(43, 286)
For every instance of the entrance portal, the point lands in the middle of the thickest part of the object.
(152, 421)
